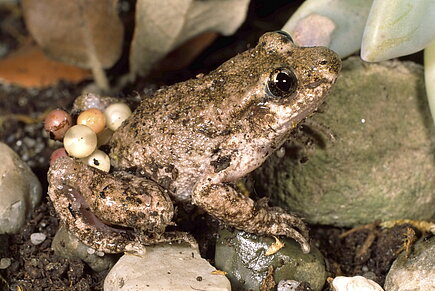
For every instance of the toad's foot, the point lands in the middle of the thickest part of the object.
(138, 247)
(239, 211)
(112, 213)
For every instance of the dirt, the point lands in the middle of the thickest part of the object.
(36, 267)
(367, 251)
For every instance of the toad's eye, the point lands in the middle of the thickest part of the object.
(285, 34)
(282, 83)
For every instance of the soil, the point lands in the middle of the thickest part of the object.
(367, 251)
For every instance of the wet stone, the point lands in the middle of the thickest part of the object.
(243, 256)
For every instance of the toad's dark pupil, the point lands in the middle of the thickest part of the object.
(283, 81)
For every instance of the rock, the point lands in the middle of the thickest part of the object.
(20, 191)
(380, 163)
(416, 272)
(67, 245)
(242, 256)
(5, 263)
(165, 267)
(292, 285)
(356, 283)
(37, 238)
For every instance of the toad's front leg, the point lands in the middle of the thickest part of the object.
(232, 207)
(109, 212)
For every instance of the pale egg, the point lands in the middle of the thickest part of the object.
(80, 141)
(116, 113)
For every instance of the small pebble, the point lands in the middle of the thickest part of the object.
(57, 122)
(116, 113)
(280, 153)
(5, 263)
(355, 283)
(80, 141)
(37, 238)
(29, 142)
(90, 251)
(287, 285)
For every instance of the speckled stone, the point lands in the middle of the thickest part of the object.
(67, 245)
(20, 191)
(416, 272)
(165, 267)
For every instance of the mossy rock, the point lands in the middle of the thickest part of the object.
(380, 163)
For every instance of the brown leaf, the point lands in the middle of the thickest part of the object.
(29, 67)
(274, 247)
(218, 272)
(163, 25)
(75, 31)
(86, 33)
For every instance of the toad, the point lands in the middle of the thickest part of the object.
(189, 142)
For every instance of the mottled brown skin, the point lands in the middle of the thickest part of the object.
(192, 139)
(82, 194)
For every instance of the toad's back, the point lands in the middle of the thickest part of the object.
(231, 119)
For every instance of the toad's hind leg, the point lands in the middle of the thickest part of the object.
(109, 212)
(241, 212)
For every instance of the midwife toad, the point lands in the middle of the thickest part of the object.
(189, 142)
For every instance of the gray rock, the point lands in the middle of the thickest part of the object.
(67, 245)
(379, 166)
(242, 256)
(37, 238)
(20, 191)
(5, 263)
(416, 272)
(165, 267)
